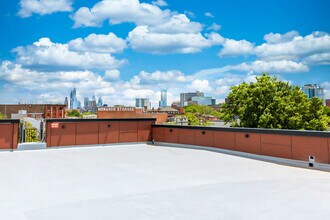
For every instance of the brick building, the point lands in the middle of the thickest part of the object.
(47, 110)
(168, 110)
(327, 103)
(130, 112)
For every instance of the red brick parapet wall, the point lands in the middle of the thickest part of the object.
(291, 144)
(71, 132)
(8, 133)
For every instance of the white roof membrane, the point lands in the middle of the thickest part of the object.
(142, 181)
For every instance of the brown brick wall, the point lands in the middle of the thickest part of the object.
(224, 140)
(303, 147)
(327, 102)
(275, 145)
(8, 135)
(160, 117)
(71, 132)
(84, 132)
(108, 132)
(186, 136)
(48, 110)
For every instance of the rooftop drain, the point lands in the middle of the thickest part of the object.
(311, 161)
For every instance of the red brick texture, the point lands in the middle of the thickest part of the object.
(70, 133)
(8, 135)
(275, 145)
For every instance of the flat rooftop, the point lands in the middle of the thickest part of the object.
(142, 181)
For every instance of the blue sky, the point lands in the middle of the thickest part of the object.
(126, 49)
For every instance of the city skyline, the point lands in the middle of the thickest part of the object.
(126, 49)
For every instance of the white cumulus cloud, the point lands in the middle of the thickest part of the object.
(159, 3)
(119, 11)
(26, 84)
(200, 85)
(177, 24)
(209, 14)
(258, 66)
(326, 86)
(163, 76)
(312, 49)
(281, 66)
(99, 43)
(227, 80)
(141, 39)
(157, 31)
(48, 56)
(318, 59)
(42, 7)
(112, 74)
(295, 47)
(139, 93)
(276, 38)
(223, 90)
(236, 47)
(214, 27)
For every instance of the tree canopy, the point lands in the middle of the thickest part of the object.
(73, 113)
(32, 135)
(271, 103)
(2, 116)
(199, 109)
(88, 113)
(197, 114)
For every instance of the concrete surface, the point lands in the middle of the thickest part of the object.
(153, 182)
(31, 146)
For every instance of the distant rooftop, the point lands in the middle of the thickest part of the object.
(11, 104)
(168, 109)
(152, 182)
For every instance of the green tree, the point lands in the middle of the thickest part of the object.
(328, 111)
(192, 109)
(196, 114)
(73, 113)
(271, 103)
(2, 116)
(31, 132)
(192, 118)
(216, 114)
(318, 118)
(88, 113)
(199, 109)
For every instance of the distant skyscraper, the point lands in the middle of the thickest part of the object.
(185, 97)
(213, 102)
(92, 105)
(99, 102)
(73, 99)
(78, 105)
(163, 99)
(66, 102)
(142, 102)
(86, 103)
(200, 100)
(312, 90)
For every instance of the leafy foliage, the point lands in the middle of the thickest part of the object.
(2, 116)
(200, 109)
(30, 132)
(88, 113)
(73, 113)
(328, 111)
(192, 118)
(271, 103)
(197, 114)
